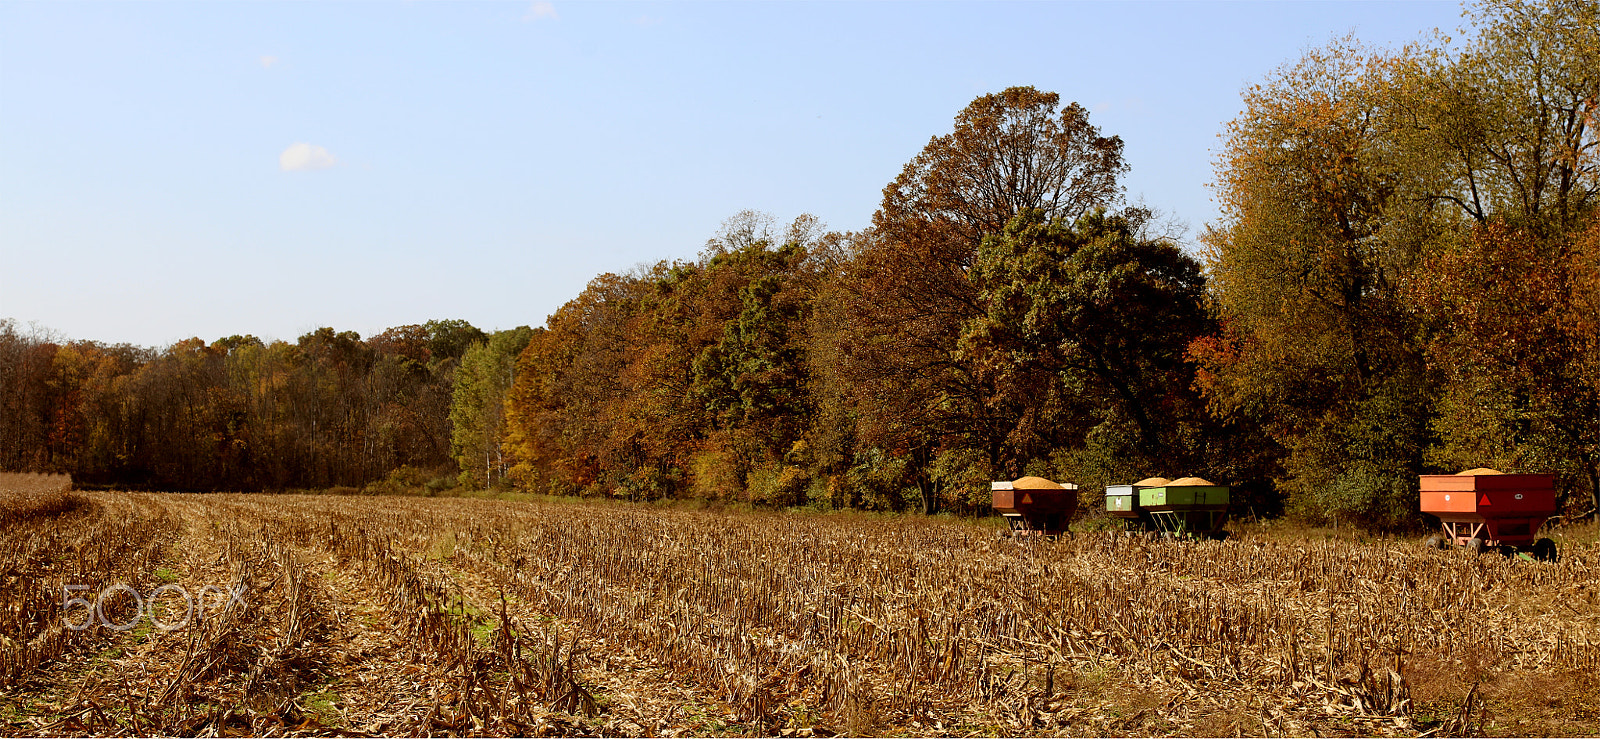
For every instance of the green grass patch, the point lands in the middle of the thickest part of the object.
(323, 705)
(465, 610)
(142, 628)
(483, 633)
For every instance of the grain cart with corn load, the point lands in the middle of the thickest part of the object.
(1122, 503)
(1034, 506)
(1483, 508)
(1187, 507)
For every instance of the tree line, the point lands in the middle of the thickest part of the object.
(328, 411)
(1405, 280)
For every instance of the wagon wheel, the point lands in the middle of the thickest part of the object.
(1434, 542)
(1506, 550)
(1219, 535)
(1475, 545)
(1544, 550)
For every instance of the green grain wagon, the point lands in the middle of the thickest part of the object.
(1188, 507)
(1122, 502)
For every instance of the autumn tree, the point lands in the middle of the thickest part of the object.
(451, 338)
(407, 396)
(1506, 128)
(27, 361)
(683, 378)
(410, 342)
(1359, 186)
(1010, 151)
(569, 380)
(1308, 263)
(908, 290)
(1515, 345)
(235, 414)
(751, 381)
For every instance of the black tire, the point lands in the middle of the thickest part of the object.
(1219, 535)
(1506, 550)
(1544, 550)
(1475, 545)
(1434, 542)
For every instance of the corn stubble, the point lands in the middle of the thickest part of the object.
(515, 618)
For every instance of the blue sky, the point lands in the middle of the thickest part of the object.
(170, 170)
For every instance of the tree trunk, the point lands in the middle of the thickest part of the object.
(1594, 490)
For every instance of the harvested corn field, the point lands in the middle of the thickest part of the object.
(298, 615)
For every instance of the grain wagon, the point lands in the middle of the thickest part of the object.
(1122, 503)
(1034, 506)
(1187, 507)
(1483, 508)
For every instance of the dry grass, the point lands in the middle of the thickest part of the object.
(26, 495)
(493, 617)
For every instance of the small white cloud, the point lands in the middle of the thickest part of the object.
(268, 60)
(304, 157)
(645, 20)
(541, 10)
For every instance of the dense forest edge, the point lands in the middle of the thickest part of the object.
(1405, 280)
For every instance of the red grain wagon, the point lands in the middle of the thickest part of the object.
(1483, 508)
(1034, 506)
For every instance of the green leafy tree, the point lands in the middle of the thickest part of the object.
(1085, 326)
(450, 339)
(751, 383)
(477, 410)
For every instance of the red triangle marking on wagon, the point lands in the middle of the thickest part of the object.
(1485, 501)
